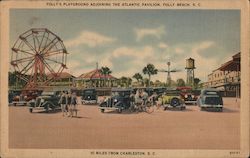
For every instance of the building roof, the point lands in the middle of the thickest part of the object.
(61, 75)
(95, 74)
(232, 65)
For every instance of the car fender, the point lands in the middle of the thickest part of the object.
(103, 103)
(47, 103)
(119, 104)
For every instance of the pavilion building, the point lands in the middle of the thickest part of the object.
(226, 78)
(95, 79)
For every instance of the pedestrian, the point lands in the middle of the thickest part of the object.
(73, 105)
(63, 102)
(68, 103)
(144, 95)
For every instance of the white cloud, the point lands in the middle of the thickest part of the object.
(140, 56)
(73, 64)
(179, 50)
(155, 32)
(163, 45)
(139, 53)
(91, 39)
(203, 65)
(202, 46)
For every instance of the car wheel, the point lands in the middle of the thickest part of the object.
(46, 107)
(175, 102)
(202, 109)
(53, 108)
(31, 110)
(119, 110)
(102, 110)
(220, 109)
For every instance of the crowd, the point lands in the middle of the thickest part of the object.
(68, 102)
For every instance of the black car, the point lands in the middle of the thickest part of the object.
(159, 90)
(89, 96)
(210, 99)
(120, 100)
(48, 100)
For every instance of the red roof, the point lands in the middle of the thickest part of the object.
(61, 75)
(232, 65)
(95, 74)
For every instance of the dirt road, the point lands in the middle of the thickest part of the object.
(173, 129)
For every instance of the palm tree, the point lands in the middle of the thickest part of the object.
(138, 77)
(145, 82)
(149, 70)
(105, 71)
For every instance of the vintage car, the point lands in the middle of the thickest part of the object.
(172, 99)
(159, 90)
(189, 95)
(210, 99)
(89, 96)
(120, 100)
(48, 100)
(24, 96)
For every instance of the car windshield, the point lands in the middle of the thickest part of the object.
(122, 93)
(172, 93)
(89, 92)
(187, 90)
(211, 93)
(196, 92)
(48, 93)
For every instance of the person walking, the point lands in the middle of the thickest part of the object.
(63, 102)
(68, 103)
(73, 105)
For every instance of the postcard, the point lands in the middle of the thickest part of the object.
(118, 78)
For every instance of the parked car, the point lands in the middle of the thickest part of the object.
(172, 99)
(188, 94)
(210, 99)
(24, 96)
(159, 90)
(89, 96)
(120, 100)
(48, 100)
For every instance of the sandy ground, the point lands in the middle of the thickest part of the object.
(172, 129)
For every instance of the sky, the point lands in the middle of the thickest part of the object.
(127, 40)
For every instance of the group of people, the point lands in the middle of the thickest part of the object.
(68, 103)
(141, 97)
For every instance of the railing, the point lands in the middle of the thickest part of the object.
(221, 82)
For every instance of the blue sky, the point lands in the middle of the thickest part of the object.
(126, 40)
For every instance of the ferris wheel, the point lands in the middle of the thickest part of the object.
(38, 57)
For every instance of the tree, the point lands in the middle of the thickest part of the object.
(125, 81)
(149, 70)
(105, 71)
(15, 81)
(196, 82)
(138, 77)
(145, 82)
(180, 82)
